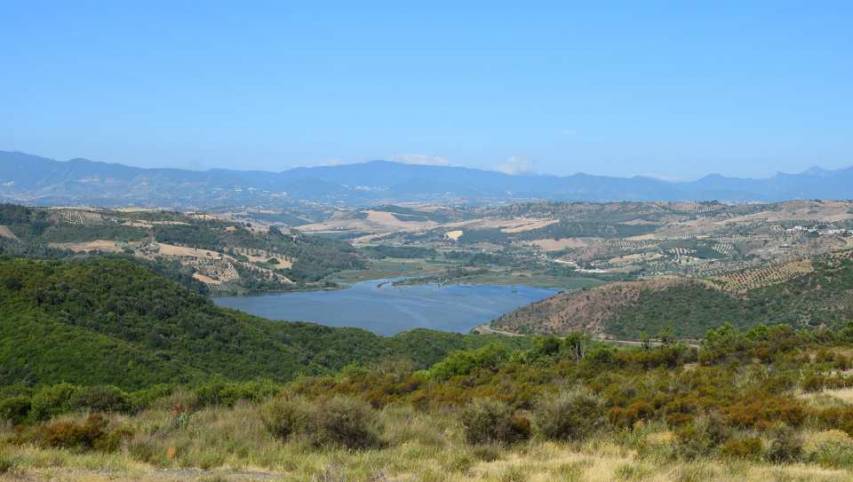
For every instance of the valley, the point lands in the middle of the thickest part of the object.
(619, 341)
(426, 241)
(605, 257)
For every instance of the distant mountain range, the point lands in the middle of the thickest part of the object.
(37, 180)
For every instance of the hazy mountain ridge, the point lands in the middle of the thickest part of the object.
(38, 180)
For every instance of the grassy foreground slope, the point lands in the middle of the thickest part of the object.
(822, 294)
(770, 404)
(113, 321)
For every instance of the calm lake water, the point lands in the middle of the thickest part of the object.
(385, 309)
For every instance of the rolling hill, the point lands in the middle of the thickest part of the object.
(114, 321)
(37, 180)
(223, 254)
(807, 293)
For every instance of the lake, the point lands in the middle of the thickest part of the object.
(385, 309)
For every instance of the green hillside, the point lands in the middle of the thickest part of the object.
(114, 321)
(691, 307)
(823, 297)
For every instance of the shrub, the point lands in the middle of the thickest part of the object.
(600, 357)
(571, 415)
(229, 393)
(346, 422)
(489, 357)
(840, 418)
(91, 433)
(742, 448)
(635, 412)
(101, 399)
(15, 409)
(813, 382)
(786, 446)
(836, 455)
(57, 399)
(284, 417)
(492, 421)
(339, 422)
(763, 412)
(148, 396)
(53, 400)
(701, 437)
(72, 434)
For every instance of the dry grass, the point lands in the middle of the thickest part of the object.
(232, 444)
(843, 394)
(829, 397)
(261, 256)
(529, 225)
(5, 232)
(183, 251)
(376, 222)
(550, 244)
(100, 245)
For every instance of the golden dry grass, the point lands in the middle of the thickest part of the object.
(549, 244)
(232, 444)
(100, 245)
(843, 394)
(529, 225)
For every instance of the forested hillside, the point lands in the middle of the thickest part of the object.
(819, 293)
(114, 321)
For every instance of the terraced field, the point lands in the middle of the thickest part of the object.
(223, 255)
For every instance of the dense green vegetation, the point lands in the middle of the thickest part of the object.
(23, 221)
(105, 357)
(749, 399)
(819, 298)
(75, 233)
(37, 225)
(743, 382)
(114, 321)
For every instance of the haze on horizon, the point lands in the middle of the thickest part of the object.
(661, 89)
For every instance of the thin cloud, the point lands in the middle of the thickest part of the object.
(516, 165)
(422, 159)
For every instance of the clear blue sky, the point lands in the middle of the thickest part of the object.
(675, 89)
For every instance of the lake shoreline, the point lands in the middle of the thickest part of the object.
(385, 308)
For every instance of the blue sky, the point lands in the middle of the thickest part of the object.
(672, 89)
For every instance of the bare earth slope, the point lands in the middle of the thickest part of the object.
(585, 310)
